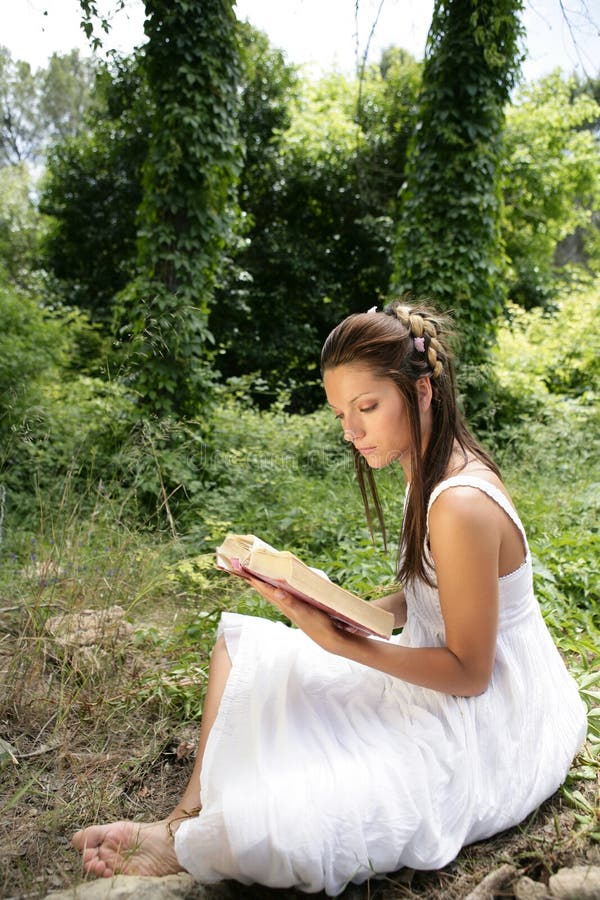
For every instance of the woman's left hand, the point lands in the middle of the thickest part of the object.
(314, 622)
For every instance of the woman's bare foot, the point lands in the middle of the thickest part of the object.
(127, 848)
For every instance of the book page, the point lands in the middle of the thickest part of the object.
(239, 546)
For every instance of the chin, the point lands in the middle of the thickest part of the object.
(378, 462)
(382, 461)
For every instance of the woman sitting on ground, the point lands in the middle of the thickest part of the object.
(326, 757)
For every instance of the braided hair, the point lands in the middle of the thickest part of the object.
(406, 342)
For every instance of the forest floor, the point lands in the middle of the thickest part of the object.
(88, 743)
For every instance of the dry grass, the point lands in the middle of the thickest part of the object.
(96, 738)
(90, 741)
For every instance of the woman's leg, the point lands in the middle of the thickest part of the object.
(220, 667)
(134, 848)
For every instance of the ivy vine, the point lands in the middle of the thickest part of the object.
(448, 241)
(194, 157)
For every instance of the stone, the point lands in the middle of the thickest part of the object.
(492, 883)
(528, 889)
(90, 637)
(133, 887)
(578, 883)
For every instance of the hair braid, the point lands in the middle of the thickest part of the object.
(420, 322)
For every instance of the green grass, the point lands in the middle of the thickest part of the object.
(109, 733)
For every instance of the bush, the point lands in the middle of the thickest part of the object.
(557, 352)
(542, 360)
(33, 344)
(53, 422)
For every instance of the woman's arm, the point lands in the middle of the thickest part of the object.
(465, 540)
(394, 603)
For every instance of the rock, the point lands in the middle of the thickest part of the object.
(578, 883)
(492, 883)
(87, 638)
(528, 889)
(132, 887)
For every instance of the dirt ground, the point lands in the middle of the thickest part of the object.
(72, 784)
(81, 747)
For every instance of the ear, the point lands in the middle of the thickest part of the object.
(424, 393)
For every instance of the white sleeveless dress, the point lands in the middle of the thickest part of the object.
(320, 771)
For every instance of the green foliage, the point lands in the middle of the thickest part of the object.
(33, 344)
(20, 226)
(55, 421)
(550, 182)
(191, 62)
(448, 246)
(318, 223)
(386, 114)
(92, 190)
(559, 351)
(17, 99)
(547, 427)
(66, 94)
(37, 107)
(268, 85)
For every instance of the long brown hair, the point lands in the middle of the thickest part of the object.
(404, 343)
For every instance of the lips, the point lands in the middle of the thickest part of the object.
(365, 450)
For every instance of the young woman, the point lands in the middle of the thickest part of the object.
(326, 757)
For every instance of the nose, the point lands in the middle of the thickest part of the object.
(351, 434)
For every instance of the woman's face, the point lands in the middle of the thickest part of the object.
(372, 413)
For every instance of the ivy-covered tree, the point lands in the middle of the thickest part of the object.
(191, 62)
(448, 244)
(94, 183)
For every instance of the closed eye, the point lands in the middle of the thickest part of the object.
(366, 409)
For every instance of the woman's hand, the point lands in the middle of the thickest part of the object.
(314, 622)
(394, 603)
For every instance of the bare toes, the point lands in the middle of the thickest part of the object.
(128, 848)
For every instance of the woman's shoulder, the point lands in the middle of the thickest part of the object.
(472, 509)
(465, 521)
(471, 491)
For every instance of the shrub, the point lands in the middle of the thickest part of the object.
(542, 360)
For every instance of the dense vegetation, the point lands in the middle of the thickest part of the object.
(152, 397)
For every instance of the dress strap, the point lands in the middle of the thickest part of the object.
(480, 484)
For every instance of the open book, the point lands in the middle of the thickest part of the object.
(245, 554)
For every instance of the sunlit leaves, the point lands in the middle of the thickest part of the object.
(550, 179)
(39, 106)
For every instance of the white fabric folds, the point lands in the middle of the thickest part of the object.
(320, 771)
